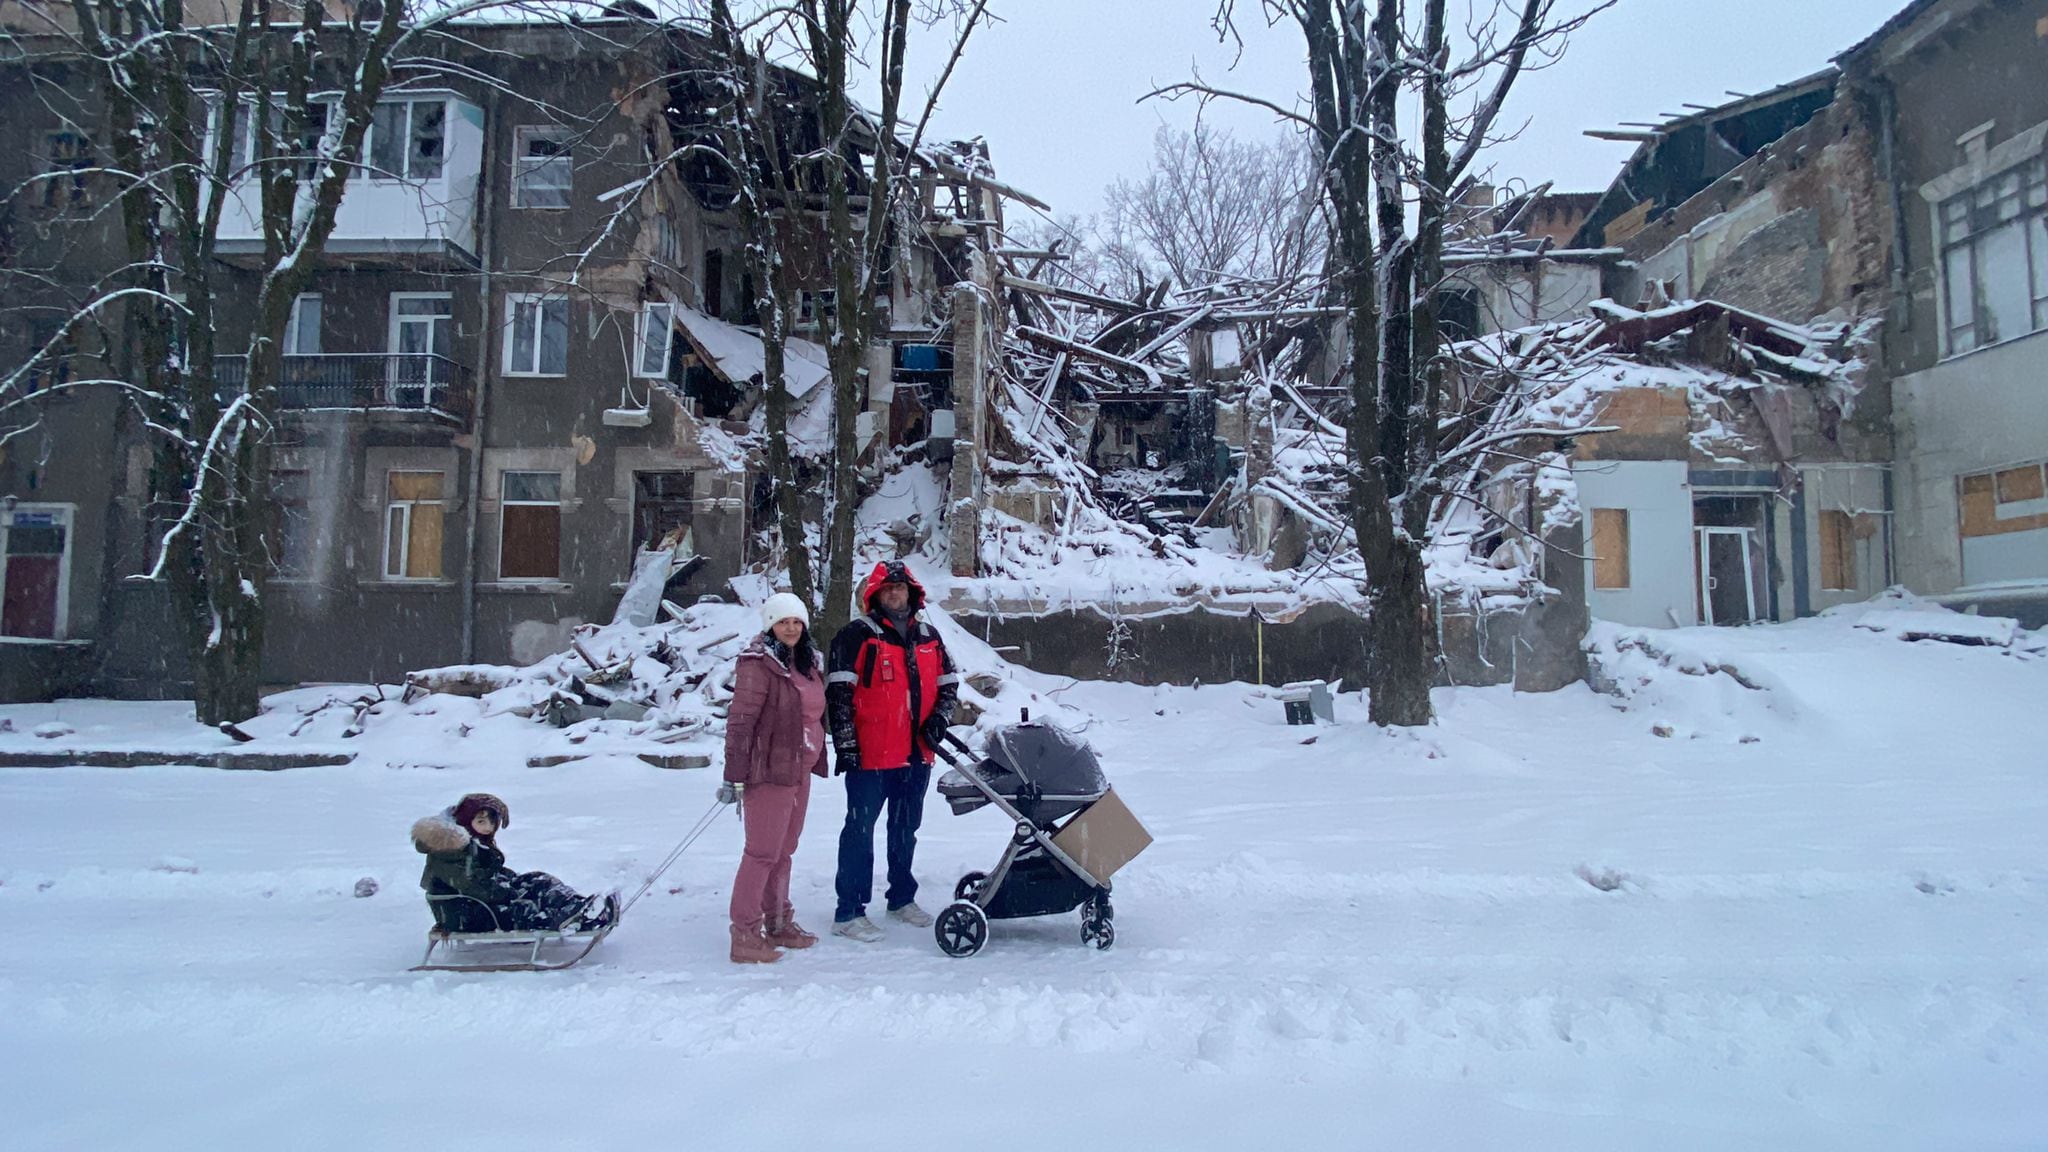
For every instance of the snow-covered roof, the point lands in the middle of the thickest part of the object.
(735, 353)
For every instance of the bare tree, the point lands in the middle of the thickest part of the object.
(861, 157)
(1213, 206)
(1387, 262)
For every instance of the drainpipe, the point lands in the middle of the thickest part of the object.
(487, 227)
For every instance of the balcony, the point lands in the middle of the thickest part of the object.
(396, 384)
(412, 204)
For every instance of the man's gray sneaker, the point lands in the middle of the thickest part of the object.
(860, 928)
(912, 915)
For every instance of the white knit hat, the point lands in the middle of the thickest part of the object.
(782, 606)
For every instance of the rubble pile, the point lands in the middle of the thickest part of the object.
(657, 692)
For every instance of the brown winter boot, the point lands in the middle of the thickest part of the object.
(752, 948)
(787, 933)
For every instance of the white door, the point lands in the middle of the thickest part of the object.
(1728, 583)
(422, 337)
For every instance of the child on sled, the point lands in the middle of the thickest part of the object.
(463, 860)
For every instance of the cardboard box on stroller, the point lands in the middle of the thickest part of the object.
(1103, 837)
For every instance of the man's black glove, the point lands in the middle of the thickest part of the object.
(847, 760)
(935, 731)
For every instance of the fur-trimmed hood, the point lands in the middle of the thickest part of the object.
(439, 834)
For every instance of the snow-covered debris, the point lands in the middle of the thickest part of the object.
(1937, 623)
(1682, 683)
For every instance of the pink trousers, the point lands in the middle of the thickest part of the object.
(774, 819)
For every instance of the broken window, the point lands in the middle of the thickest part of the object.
(541, 168)
(406, 139)
(413, 514)
(1837, 551)
(289, 491)
(536, 335)
(67, 161)
(713, 287)
(1995, 258)
(530, 526)
(1610, 548)
(55, 345)
(661, 506)
(313, 141)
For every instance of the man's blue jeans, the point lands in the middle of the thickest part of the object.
(901, 791)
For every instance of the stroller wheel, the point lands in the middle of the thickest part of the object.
(961, 929)
(969, 886)
(1097, 932)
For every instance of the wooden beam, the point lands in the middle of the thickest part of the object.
(1089, 352)
(1040, 287)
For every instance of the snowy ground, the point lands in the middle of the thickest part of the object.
(1833, 934)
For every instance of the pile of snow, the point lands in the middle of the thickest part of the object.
(1683, 683)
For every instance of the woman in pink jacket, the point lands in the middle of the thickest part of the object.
(774, 744)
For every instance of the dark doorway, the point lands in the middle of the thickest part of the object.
(661, 506)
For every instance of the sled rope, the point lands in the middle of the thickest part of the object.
(688, 839)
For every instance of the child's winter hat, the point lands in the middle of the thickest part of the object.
(476, 802)
(784, 606)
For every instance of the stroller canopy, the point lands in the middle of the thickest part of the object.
(1050, 757)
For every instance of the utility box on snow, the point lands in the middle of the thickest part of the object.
(1308, 701)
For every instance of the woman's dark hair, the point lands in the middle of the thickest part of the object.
(802, 656)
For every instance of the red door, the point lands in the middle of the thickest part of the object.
(35, 563)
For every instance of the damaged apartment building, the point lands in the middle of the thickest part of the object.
(523, 361)
(1898, 198)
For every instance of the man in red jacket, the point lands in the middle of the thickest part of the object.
(889, 693)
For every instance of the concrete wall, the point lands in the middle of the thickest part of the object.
(1969, 414)
(1523, 646)
(1662, 581)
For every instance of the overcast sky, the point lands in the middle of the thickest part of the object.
(1054, 86)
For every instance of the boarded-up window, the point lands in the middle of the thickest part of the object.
(1837, 551)
(412, 525)
(530, 528)
(2011, 500)
(2017, 484)
(1610, 548)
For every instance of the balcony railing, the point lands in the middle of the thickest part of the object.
(366, 381)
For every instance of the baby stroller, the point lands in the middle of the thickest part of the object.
(1038, 775)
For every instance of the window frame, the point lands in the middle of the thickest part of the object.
(505, 502)
(408, 150)
(642, 328)
(405, 508)
(1963, 224)
(67, 181)
(524, 135)
(513, 300)
(294, 325)
(289, 505)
